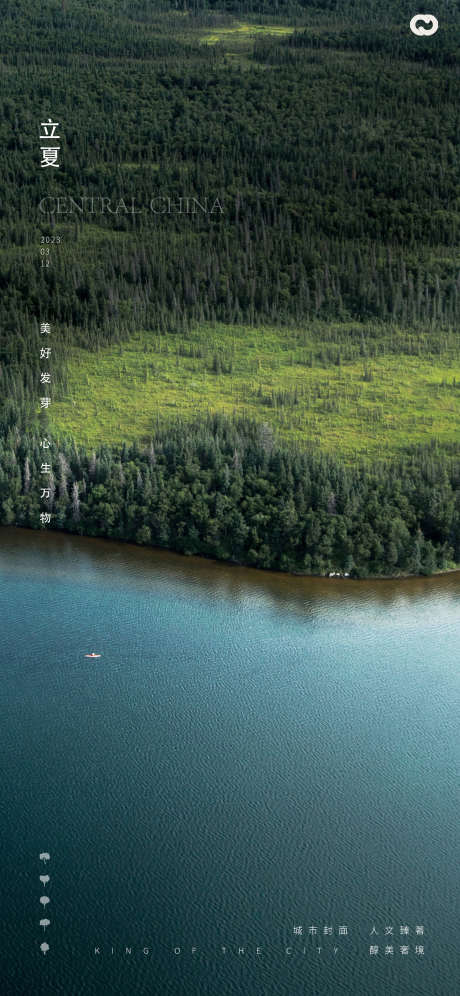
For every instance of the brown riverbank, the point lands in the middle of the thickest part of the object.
(55, 550)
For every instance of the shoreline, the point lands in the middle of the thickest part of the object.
(260, 571)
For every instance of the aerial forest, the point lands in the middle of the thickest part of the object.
(249, 262)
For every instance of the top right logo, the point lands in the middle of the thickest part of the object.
(424, 24)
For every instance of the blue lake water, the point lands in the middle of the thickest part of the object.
(251, 755)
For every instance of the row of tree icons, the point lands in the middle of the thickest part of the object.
(44, 879)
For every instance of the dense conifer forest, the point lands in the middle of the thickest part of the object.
(287, 167)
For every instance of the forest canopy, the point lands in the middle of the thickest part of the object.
(332, 144)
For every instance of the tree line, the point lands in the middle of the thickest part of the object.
(226, 489)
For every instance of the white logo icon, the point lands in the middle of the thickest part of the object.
(44, 947)
(44, 879)
(44, 900)
(45, 923)
(424, 24)
(44, 856)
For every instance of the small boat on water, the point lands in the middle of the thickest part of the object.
(92, 655)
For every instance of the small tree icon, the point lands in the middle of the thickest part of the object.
(44, 947)
(44, 856)
(44, 879)
(44, 900)
(45, 923)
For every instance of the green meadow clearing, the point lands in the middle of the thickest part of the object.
(366, 406)
(240, 32)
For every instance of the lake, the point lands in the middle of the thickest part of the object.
(254, 786)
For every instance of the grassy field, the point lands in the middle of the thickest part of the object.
(365, 406)
(240, 32)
